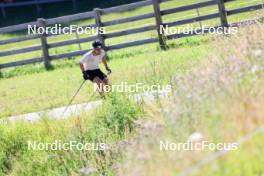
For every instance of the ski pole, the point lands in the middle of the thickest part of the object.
(73, 97)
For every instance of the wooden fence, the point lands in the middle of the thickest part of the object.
(157, 13)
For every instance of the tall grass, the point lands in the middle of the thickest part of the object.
(222, 99)
(109, 124)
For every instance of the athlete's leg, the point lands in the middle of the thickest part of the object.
(100, 85)
(105, 80)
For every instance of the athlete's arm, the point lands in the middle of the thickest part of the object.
(81, 67)
(105, 64)
(82, 63)
(85, 75)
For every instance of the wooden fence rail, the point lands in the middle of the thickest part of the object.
(157, 14)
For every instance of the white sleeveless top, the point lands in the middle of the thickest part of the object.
(90, 61)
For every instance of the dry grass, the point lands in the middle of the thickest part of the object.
(223, 99)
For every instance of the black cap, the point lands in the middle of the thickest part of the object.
(97, 44)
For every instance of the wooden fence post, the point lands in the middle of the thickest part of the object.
(162, 38)
(97, 16)
(43, 37)
(78, 38)
(198, 14)
(222, 13)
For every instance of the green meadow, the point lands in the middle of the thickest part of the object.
(217, 91)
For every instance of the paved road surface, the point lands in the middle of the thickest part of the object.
(57, 113)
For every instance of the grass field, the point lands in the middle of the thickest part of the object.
(217, 91)
(46, 90)
(218, 94)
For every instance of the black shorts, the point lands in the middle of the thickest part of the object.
(95, 73)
